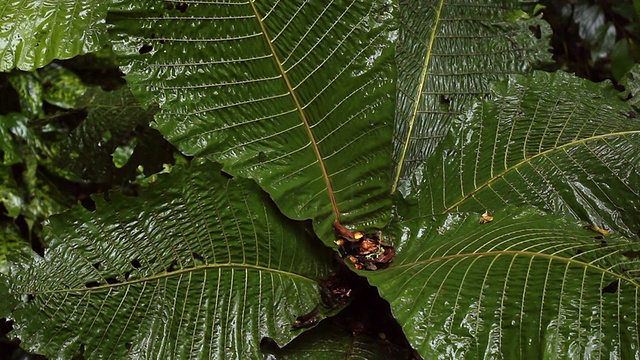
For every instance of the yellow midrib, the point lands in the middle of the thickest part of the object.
(416, 105)
(231, 266)
(303, 116)
(530, 159)
(515, 253)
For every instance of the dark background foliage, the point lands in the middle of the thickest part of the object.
(595, 39)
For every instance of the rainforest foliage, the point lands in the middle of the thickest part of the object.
(304, 180)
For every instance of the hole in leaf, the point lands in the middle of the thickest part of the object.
(268, 342)
(128, 345)
(598, 237)
(112, 280)
(80, 354)
(228, 176)
(172, 266)
(145, 49)
(91, 284)
(30, 297)
(603, 243)
(579, 251)
(136, 264)
(96, 265)
(306, 320)
(126, 275)
(537, 32)
(611, 288)
(444, 103)
(182, 6)
(197, 257)
(631, 254)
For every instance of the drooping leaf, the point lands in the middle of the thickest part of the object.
(199, 264)
(554, 141)
(7, 303)
(448, 53)
(27, 192)
(61, 86)
(631, 82)
(523, 286)
(298, 96)
(29, 89)
(621, 59)
(327, 341)
(113, 119)
(35, 32)
(15, 131)
(10, 242)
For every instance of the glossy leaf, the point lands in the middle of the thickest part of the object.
(35, 32)
(61, 86)
(524, 286)
(631, 82)
(29, 89)
(448, 53)
(113, 119)
(11, 242)
(23, 189)
(298, 96)
(7, 303)
(553, 141)
(199, 264)
(327, 341)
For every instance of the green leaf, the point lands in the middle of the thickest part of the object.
(113, 119)
(123, 153)
(621, 59)
(14, 133)
(209, 267)
(6, 302)
(29, 89)
(10, 193)
(10, 242)
(29, 193)
(523, 286)
(62, 87)
(35, 32)
(631, 83)
(295, 96)
(327, 341)
(448, 53)
(554, 141)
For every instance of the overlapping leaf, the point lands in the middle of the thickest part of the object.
(524, 286)
(297, 96)
(631, 82)
(35, 32)
(199, 265)
(113, 119)
(327, 341)
(554, 141)
(448, 53)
